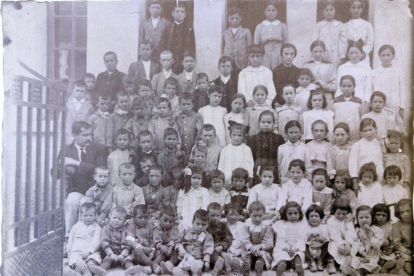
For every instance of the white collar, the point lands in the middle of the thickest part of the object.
(347, 99)
(224, 78)
(178, 23)
(81, 101)
(167, 72)
(189, 75)
(79, 148)
(234, 30)
(317, 62)
(334, 22)
(350, 64)
(268, 23)
(254, 227)
(146, 62)
(310, 87)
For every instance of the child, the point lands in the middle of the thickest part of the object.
(366, 150)
(271, 33)
(260, 94)
(90, 95)
(154, 191)
(342, 237)
(83, 243)
(170, 192)
(179, 37)
(215, 181)
(361, 73)
(146, 145)
(256, 74)
(145, 163)
(119, 118)
(100, 121)
(322, 195)
(130, 86)
(198, 156)
(285, 73)
(257, 238)
(127, 194)
(297, 189)
(195, 246)
(238, 113)
(392, 191)
(348, 108)
(171, 154)
(370, 190)
(332, 33)
(266, 192)
(402, 233)
(192, 198)
(152, 28)
(324, 72)
(158, 80)
(189, 122)
(78, 109)
(228, 79)
(110, 81)
(306, 85)
(293, 149)
(208, 136)
(170, 93)
(200, 94)
(236, 154)
(338, 153)
(289, 111)
(238, 191)
(144, 68)
(236, 39)
(100, 194)
(139, 121)
(187, 79)
(317, 104)
(113, 240)
(123, 154)
(357, 29)
(140, 240)
(290, 239)
(145, 94)
(222, 237)
(369, 241)
(214, 114)
(317, 238)
(342, 188)
(318, 147)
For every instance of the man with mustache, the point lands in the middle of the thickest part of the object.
(81, 158)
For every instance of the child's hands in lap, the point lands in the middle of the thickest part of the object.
(182, 252)
(120, 259)
(206, 266)
(218, 249)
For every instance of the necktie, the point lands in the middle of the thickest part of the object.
(83, 155)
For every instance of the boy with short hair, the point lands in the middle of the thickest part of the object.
(159, 79)
(146, 94)
(90, 94)
(110, 81)
(146, 145)
(139, 121)
(100, 120)
(130, 86)
(256, 74)
(144, 68)
(208, 136)
(187, 78)
(170, 93)
(143, 169)
(171, 155)
(153, 192)
(200, 94)
(119, 118)
(227, 79)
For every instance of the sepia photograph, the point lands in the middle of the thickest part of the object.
(207, 137)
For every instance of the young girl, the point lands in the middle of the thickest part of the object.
(271, 33)
(316, 104)
(289, 111)
(338, 153)
(239, 192)
(392, 191)
(348, 108)
(323, 72)
(266, 192)
(238, 113)
(192, 198)
(236, 154)
(290, 239)
(333, 34)
(361, 73)
(257, 238)
(402, 233)
(260, 93)
(215, 179)
(306, 85)
(343, 189)
(318, 147)
(369, 241)
(366, 150)
(369, 190)
(357, 29)
(342, 236)
(322, 195)
(293, 149)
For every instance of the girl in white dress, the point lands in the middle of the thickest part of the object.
(318, 147)
(369, 190)
(238, 114)
(393, 191)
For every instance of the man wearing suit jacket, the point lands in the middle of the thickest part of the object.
(144, 68)
(81, 159)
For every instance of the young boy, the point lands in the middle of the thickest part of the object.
(288, 112)
(171, 154)
(139, 122)
(285, 72)
(78, 109)
(222, 237)
(110, 81)
(179, 37)
(158, 80)
(236, 39)
(187, 79)
(200, 94)
(189, 122)
(130, 86)
(113, 239)
(153, 192)
(90, 95)
(170, 93)
(146, 95)
(214, 114)
(144, 165)
(198, 157)
(208, 136)
(127, 194)
(152, 28)
(119, 118)
(144, 68)
(100, 194)
(305, 80)
(254, 75)
(100, 120)
(170, 193)
(227, 79)
(146, 145)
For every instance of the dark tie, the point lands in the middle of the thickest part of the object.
(83, 155)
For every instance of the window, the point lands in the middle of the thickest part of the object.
(67, 40)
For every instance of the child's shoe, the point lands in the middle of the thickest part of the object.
(97, 270)
(218, 267)
(299, 270)
(147, 270)
(167, 267)
(157, 269)
(133, 270)
(259, 267)
(331, 267)
(312, 267)
(319, 264)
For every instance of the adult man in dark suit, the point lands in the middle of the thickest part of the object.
(81, 158)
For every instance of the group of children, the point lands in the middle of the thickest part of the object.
(269, 166)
